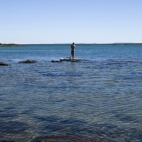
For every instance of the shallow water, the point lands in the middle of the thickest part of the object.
(99, 97)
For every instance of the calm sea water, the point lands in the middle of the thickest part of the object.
(100, 96)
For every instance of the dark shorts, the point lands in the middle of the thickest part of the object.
(72, 52)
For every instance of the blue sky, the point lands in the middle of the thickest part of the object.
(67, 21)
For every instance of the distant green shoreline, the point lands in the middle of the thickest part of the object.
(9, 44)
(13, 44)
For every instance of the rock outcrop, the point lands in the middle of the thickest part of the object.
(4, 64)
(28, 61)
(70, 60)
(66, 59)
(56, 61)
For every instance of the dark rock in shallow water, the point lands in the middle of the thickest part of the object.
(70, 60)
(68, 139)
(4, 64)
(56, 61)
(28, 61)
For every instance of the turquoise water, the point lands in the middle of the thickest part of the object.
(100, 96)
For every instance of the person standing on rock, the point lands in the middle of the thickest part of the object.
(72, 50)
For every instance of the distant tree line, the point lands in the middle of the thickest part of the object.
(8, 44)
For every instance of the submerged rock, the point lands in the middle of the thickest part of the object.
(4, 64)
(28, 61)
(68, 139)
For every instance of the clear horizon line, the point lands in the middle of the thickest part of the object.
(76, 43)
